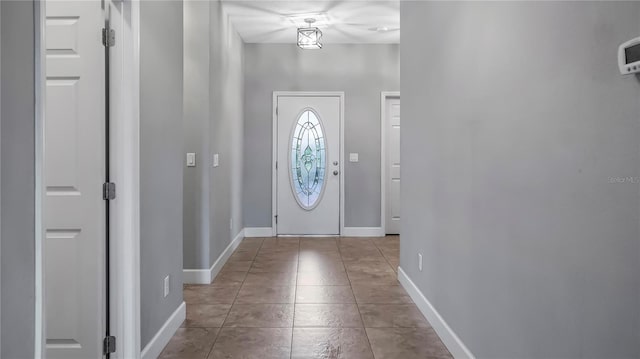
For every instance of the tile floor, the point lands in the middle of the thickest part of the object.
(324, 298)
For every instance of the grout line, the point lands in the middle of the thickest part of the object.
(358, 305)
(295, 303)
(385, 257)
(234, 300)
(295, 294)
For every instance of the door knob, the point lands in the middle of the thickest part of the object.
(335, 173)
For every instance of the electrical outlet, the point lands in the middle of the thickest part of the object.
(216, 160)
(420, 262)
(166, 286)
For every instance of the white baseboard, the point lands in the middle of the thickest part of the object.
(363, 232)
(448, 336)
(196, 276)
(258, 232)
(206, 276)
(162, 337)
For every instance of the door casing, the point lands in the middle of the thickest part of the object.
(383, 158)
(274, 144)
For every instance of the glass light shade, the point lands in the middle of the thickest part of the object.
(309, 38)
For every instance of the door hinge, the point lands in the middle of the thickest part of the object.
(276, 110)
(108, 191)
(108, 37)
(276, 218)
(109, 345)
(276, 164)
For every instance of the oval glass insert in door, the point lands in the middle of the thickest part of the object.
(308, 160)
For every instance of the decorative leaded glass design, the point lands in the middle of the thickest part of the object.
(308, 160)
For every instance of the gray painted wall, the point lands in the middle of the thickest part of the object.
(18, 180)
(362, 72)
(226, 128)
(214, 120)
(514, 119)
(161, 161)
(196, 134)
(0, 183)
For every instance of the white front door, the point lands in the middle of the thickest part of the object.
(392, 161)
(308, 165)
(74, 213)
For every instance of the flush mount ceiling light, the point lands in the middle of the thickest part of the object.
(379, 29)
(299, 20)
(309, 37)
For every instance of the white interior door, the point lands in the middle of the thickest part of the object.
(308, 165)
(392, 163)
(74, 173)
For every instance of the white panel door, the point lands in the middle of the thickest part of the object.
(74, 173)
(308, 174)
(392, 128)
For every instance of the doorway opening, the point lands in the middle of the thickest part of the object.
(390, 162)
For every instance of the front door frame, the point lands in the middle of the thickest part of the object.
(274, 157)
(125, 170)
(383, 156)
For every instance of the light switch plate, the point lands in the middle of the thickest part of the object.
(353, 157)
(166, 286)
(216, 161)
(191, 159)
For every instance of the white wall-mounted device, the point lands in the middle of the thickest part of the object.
(629, 56)
(191, 159)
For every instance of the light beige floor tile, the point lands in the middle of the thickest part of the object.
(271, 279)
(327, 316)
(259, 294)
(210, 294)
(237, 266)
(252, 343)
(392, 316)
(190, 343)
(406, 343)
(329, 343)
(229, 278)
(274, 265)
(323, 278)
(373, 278)
(374, 294)
(326, 294)
(264, 277)
(260, 316)
(206, 315)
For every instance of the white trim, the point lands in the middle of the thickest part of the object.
(206, 276)
(196, 276)
(258, 232)
(36, 349)
(383, 156)
(446, 334)
(274, 144)
(274, 159)
(40, 110)
(162, 337)
(125, 172)
(363, 232)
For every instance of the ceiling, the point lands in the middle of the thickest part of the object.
(341, 22)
